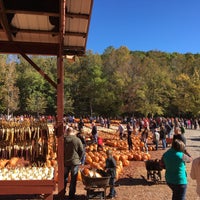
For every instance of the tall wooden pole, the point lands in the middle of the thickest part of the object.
(60, 100)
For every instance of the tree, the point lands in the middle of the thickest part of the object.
(32, 85)
(153, 89)
(9, 91)
(187, 99)
(117, 71)
(88, 87)
(36, 103)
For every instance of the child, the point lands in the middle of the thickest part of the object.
(99, 144)
(111, 170)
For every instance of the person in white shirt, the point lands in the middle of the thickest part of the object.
(120, 130)
(156, 138)
(195, 173)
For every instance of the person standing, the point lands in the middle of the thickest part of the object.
(195, 173)
(108, 122)
(111, 170)
(100, 144)
(94, 132)
(178, 135)
(163, 134)
(156, 138)
(129, 139)
(120, 130)
(81, 136)
(80, 124)
(73, 152)
(174, 161)
(144, 138)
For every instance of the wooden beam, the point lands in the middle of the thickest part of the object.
(60, 100)
(41, 49)
(28, 12)
(45, 76)
(4, 21)
(45, 32)
(53, 14)
(77, 15)
(28, 48)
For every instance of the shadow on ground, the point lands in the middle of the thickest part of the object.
(137, 181)
(195, 139)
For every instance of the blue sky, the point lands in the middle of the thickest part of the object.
(144, 25)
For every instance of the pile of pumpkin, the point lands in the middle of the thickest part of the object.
(96, 159)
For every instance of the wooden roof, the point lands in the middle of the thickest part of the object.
(39, 26)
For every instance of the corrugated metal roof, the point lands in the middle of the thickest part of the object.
(33, 26)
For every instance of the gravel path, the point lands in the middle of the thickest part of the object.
(193, 146)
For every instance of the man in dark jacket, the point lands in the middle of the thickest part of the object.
(73, 152)
(111, 170)
(94, 132)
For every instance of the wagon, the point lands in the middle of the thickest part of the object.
(153, 170)
(96, 186)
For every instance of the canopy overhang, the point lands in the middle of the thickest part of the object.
(33, 26)
(46, 27)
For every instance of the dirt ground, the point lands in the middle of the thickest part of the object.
(133, 183)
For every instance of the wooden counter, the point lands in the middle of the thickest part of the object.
(28, 187)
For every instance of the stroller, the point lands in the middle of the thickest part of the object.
(153, 170)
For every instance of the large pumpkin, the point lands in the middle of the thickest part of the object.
(79, 178)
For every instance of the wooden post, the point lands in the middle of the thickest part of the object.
(60, 100)
(60, 125)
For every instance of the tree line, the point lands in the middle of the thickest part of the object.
(119, 82)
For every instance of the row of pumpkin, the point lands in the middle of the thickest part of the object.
(95, 159)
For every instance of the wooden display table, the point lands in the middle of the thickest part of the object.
(25, 187)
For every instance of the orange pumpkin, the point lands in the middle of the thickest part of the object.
(117, 175)
(116, 157)
(95, 159)
(125, 162)
(138, 157)
(13, 161)
(86, 171)
(88, 159)
(144, 157)
(79, 178)
(141, 144)
(103, 159)
(130, 157)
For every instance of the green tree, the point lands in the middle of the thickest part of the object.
(117, 70)
(187, 99)
(154, 89)
(36, 103)
(31, 82)
(9, 91)
(88, 86)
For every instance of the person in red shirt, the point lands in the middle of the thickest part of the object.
(99, 144)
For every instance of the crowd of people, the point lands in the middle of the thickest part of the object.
(74, 156)
(173, 160)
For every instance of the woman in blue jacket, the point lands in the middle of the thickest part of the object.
(174, 161)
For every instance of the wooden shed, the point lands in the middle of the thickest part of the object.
(44, 27)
